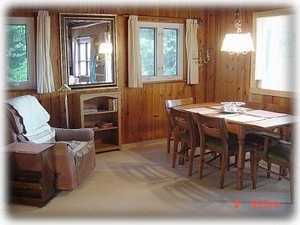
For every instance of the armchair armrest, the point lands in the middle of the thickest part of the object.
(82, 134)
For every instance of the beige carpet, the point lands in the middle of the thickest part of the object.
(139, 183)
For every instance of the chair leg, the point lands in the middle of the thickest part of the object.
(191, 160)
(255, 168)
(201, 162)
(175, 147)
(169, 137)
(269, 168)
(224, 161)
(290, 169)
(252, 164)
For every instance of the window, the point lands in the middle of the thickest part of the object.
(273, 72)
(20, 53)
(84, 53)
(161, 47)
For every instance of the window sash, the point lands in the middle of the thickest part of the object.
(264, 54)
(158, 60)
(30, 82)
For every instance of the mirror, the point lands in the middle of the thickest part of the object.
(88, 50)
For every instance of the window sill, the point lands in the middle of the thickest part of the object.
(163, 81)
(284, 94)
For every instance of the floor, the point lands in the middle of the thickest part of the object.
(138, 183)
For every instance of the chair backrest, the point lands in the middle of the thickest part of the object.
(174, 102)
(183, 121)
(213, 127)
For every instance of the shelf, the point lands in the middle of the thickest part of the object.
(97, 109)
(102, 129)
(99, 112)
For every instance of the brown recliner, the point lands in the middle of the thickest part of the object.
(73, 155)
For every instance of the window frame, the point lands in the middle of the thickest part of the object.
(31, 83)
(86, 41)
(159, 59)
(254, 84)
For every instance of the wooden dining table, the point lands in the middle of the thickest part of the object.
(245, 121)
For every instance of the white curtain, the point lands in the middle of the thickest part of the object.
(134, 59)
(192, 51)
(45, 81)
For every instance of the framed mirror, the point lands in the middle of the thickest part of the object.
(88, 50)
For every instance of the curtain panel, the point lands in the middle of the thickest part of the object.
(192, 51)
(45, 81)
(134, 59)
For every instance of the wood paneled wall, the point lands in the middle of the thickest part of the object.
(143, 114)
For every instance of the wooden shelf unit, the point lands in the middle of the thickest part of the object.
(102, 113)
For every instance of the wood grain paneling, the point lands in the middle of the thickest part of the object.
(224, 78)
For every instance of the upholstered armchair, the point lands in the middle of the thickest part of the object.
(73, 155)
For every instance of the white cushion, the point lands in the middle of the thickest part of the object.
(44, 134)
(31, 111)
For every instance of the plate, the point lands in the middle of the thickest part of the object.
(233, 103)
(230, 111)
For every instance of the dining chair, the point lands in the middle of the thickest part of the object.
(168, 105)
(259, 137)
(280, 154)
(215, 137)
(185, 133)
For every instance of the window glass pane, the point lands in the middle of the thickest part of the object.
(82, 52)
(88, 46)
(275, 54)
(170, 49)
(147, 49)
(82, 68)
(17, 55)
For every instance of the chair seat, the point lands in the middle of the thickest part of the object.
(280, 152)
(259, 137)
(233, 147)
(186, 136)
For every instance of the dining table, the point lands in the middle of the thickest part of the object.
(241, 122)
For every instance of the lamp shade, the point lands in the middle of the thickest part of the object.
(105, 48)
(64, 88)
(237, 43)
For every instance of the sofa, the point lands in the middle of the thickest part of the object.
(73, 155)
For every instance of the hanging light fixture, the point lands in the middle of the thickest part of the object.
(238, 42)
(106, 47)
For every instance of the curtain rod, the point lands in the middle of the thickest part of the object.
(161, 17)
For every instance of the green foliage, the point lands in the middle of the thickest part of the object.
(170, 51)
(16, 53)
(148, 51)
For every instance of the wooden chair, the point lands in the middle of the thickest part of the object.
(281, 154)
(259, 137)
(168, 105)
(185, 132)
(214, 136)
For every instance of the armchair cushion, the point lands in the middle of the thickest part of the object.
(82, 134)
(44, 134)
(31, 111)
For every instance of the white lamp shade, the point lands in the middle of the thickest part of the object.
(237, 43)
(105, 48)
